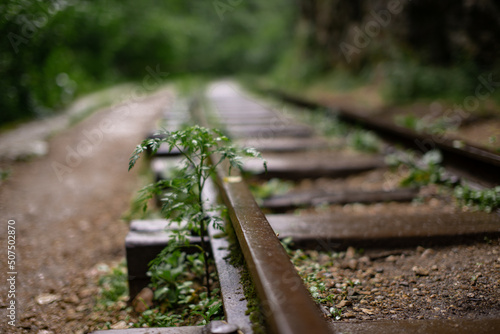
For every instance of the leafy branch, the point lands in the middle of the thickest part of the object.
(183, 194)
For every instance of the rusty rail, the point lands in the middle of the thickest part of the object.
(288, 307)
(473, 162)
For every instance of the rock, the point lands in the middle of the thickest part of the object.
(143, 300)
(427, 253)
(72, 299)
(72, 315)
(391, 258)
(85, 293)
(120, 325)
(81, 308)
(419, 271)
(343, 303)
(46, 298)
(352, 264)
(348, 315)
(367, 311)
(350, 253)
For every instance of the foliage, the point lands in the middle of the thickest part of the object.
(437, 126)
(55, 50)
(408, 80)
(199, 312)
(426, 170)
(364, 141)
(113, 286)
(270, 188)
(4, 174)
(484, 199)
(183, 201)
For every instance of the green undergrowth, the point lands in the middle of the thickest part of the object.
(179, 293)
(427, 169)
(113, 286)
(179, 296)
(272, 187)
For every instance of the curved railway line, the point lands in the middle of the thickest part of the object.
(295, 152)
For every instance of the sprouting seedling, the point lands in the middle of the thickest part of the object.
(184, 200)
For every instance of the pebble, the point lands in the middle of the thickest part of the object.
(391, 258)
(143, 300)
(427, 253)
(350, 253)
(419, 271)
(72, 299)
(46, 298)
(120, 325)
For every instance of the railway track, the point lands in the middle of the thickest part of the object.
(330, 233)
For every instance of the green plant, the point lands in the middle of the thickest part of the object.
(423, 171)
(270, 188)
(203, 150)
(484, 199)
(113, 286)
(364, 141)
(437, 126)
(4, 174)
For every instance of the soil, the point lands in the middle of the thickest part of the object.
(67, 209)
(450, 282)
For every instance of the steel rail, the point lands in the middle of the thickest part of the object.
(287, 305)
(473, 162)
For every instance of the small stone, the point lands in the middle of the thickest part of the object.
(419, 271)
(143, 300)
(348, 315)
(427, 253)
(44, 331)
(420, 249)
(352, 264)
(81, 308)
(46, 298)
(72, 299)
(120, 325)
(391, 258)
(224, 329)
(350, 253)
(85, 293)
(72, 315)
(343, 303)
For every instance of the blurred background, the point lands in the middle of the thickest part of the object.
(54, 51)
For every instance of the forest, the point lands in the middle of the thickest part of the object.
(55, 51)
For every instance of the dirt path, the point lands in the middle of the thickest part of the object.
(67, 207)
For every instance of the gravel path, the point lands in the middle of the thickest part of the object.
(67, 208)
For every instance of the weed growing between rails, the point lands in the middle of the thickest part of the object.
(183, 202)
(428, 170)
